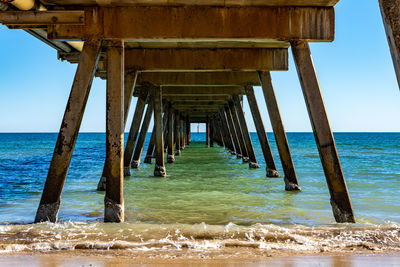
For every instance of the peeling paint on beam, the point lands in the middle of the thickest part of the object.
(202, 22)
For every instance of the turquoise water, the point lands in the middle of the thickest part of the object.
(207, 187)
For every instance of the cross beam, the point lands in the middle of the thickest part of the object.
(245, 59)
(202, 22)
(199, 78)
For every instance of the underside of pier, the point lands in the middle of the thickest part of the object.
(186, 62)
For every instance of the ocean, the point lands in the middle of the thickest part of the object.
(210, 201)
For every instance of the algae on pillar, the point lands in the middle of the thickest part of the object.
(51, 196)
(340, 198)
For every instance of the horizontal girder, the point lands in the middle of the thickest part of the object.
(201, 22)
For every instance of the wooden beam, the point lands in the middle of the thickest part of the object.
(203, 22)
(114, 172)
(262, 134)
(202, 90)
(340, 198)
(142, 136)
(247, 139)
(51, 196)
(290, 179)
(159, 168)
(192, 3)
(198, 98)
(133, 132)
(35, 18)
(239, 132)
(171, 134)
(177, 59)
(199, 78)
(233, 132)
(197, 103)
(390, 10)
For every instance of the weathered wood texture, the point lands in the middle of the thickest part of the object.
(202, 90)
(262, 136)
(150, 148)
(129, 85)
(194, 2)
(390, 10)
(247, 139)
(208, 132)
(340, 199)
(235, 118)
(177, 134)
(134, 130)
(33, 18)
(211, 132)
(187, 130)
(290, 179)
(159, 169)
(199, 78)
(182, 59)
(51, 196)
(233, 131)
(171, 118)
(142, 136)
(189, 22)
(114, 198)
(227, 132)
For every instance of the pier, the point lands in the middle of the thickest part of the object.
(187, 62)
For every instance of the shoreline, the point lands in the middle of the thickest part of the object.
(122, 258)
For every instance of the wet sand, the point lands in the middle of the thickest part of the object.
(112, 258)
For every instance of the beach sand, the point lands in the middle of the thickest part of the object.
(114, 258)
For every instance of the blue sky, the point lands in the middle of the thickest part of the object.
(355, 73)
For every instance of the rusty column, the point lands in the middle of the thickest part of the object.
(221, 133)
(177, 135)
(129, 86)
(239, 131)
(133, 132)
(143, 133)
(150, 148)
(51, 196)
(159, 169)
(114, 198)
(182, 132)
(340, 199)
(207, 132)
(233, 131)
(290, 179)
(262, 135)
(170, 157)
(247, 139)
(390, 10)
(187, 130)
(211, 133)
(226, 132)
